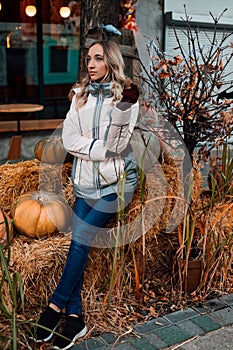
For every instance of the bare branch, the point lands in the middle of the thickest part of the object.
(186, 87)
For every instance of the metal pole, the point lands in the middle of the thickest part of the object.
(40, 61)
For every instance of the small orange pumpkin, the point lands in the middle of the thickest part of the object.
(3, 228)
(51, 150)
(40, 214)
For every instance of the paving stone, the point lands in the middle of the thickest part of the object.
(223, 317)
(220, 339)
(79, 346)
(150, 326)
(124, 346)
(202, 310)
(92, 344)
(206, 323)
(191, 346)
(227, 299)
(190, 328)
(177, 316)
(209, 306)
(172, 335)
(155, 340)
(142, 343)
(214, 304)
(108, 338)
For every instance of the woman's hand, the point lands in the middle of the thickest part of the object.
(129, 96)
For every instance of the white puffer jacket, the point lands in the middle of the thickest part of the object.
(92, 130)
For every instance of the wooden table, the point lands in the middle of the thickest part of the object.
(19, 109)
(14, 151)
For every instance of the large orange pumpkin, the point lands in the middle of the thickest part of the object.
(4, 236)
(51, 150)
(40, 214)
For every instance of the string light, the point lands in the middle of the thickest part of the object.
(30, 10)
(65, 12)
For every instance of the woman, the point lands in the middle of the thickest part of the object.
(97, 129)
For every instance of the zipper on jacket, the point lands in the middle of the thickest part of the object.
(95, 134)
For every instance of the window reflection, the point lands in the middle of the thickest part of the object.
(19, 52)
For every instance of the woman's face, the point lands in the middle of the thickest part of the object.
(96, 66)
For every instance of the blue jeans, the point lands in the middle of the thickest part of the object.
(89, 216)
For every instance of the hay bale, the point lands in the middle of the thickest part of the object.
(16, 179)
(31, 175)
(40, 263)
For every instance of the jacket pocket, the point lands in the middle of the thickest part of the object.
(83, 174)
(110, 171)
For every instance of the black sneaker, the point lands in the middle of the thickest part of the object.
(74, 329)
(49, 320)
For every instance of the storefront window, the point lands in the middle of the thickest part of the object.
(21, 59)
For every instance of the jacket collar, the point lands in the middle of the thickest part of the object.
(105, 88)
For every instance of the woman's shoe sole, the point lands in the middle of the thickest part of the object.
(79, 335)
(46, 339)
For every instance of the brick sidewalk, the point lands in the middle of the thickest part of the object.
(174, 328)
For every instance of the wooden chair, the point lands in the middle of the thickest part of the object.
(14, 151)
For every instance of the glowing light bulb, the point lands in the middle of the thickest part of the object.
(64, 12)
(30, 10)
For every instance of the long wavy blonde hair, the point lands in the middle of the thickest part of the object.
(115, 73)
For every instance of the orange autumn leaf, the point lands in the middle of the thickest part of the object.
(163, 97)
(226, 116)
(164, 299)
(151, 293)
(152, 311)
(191, 86)
(178, 59)
(169, 62)
(221, 66)
(218, 53)
(164, 75)
(218, 84)
(164, 67)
